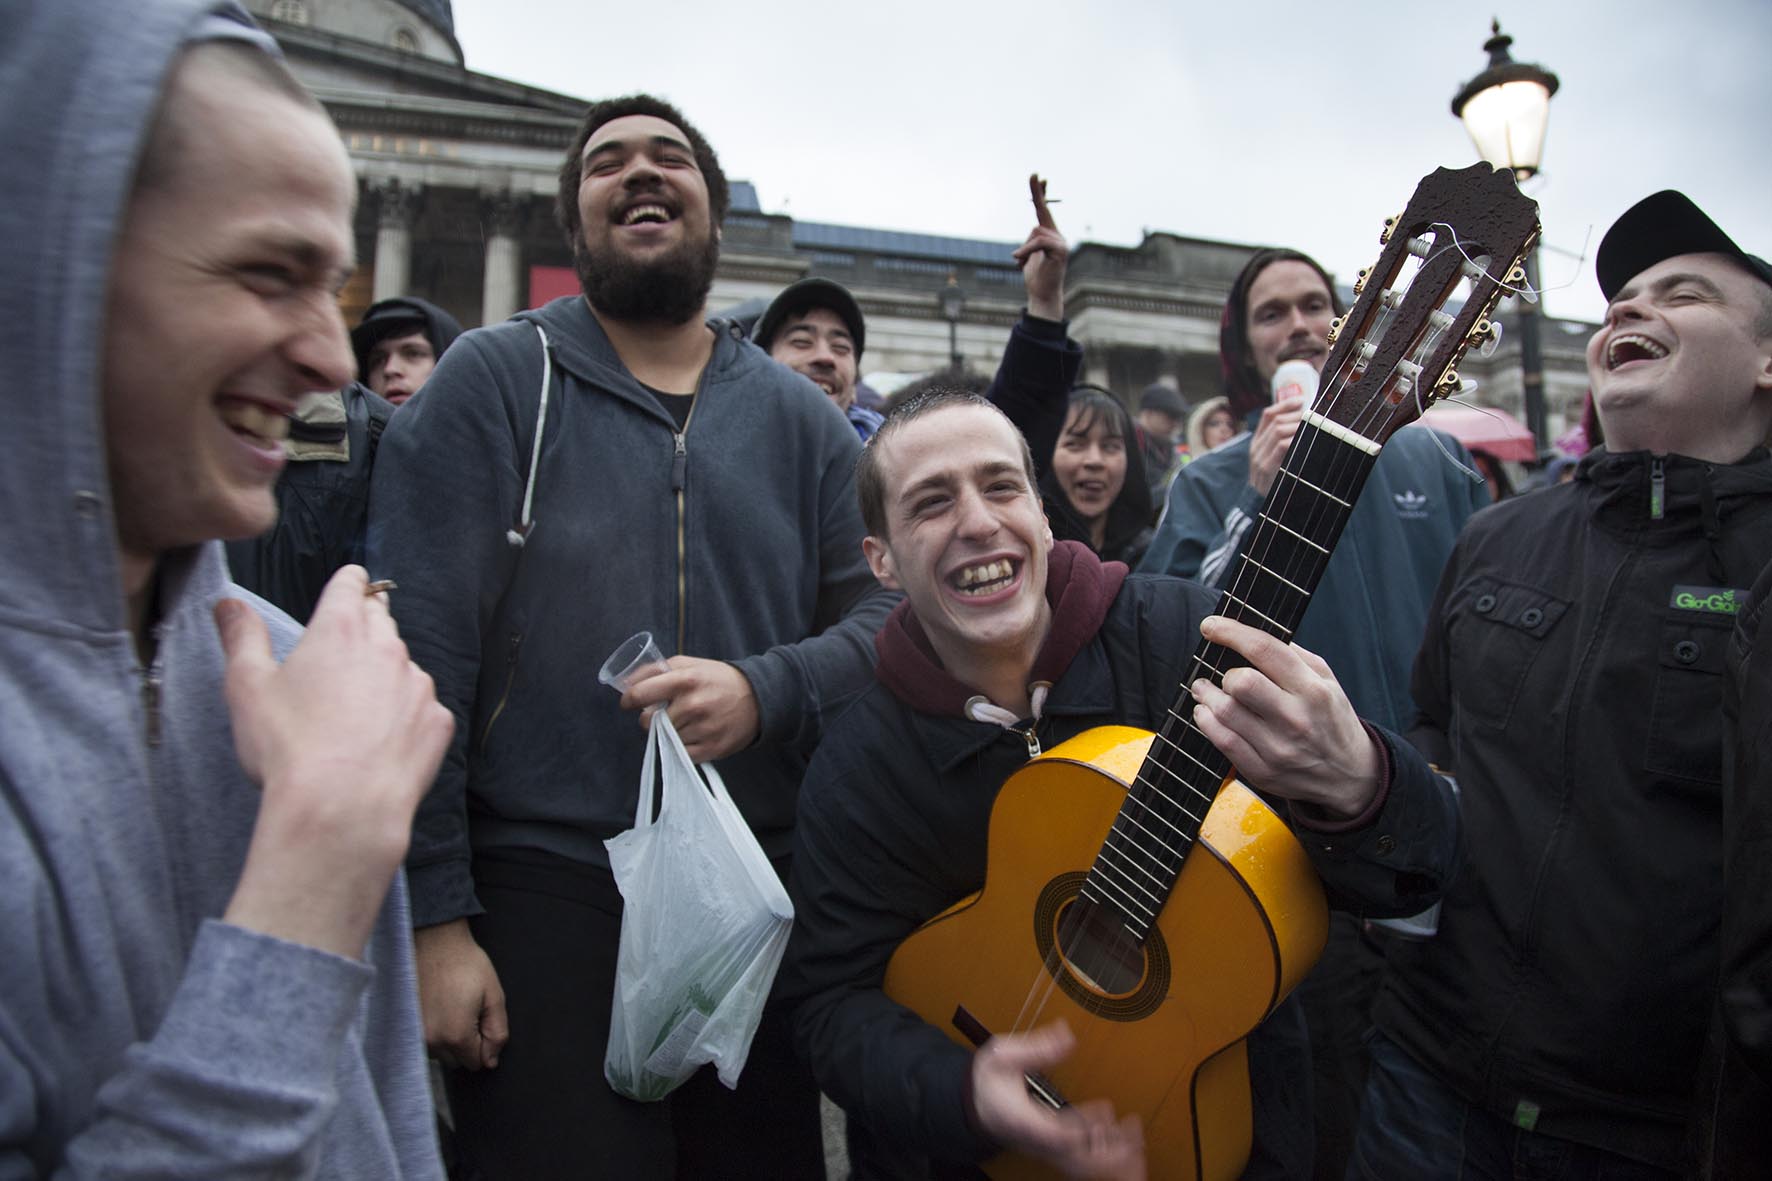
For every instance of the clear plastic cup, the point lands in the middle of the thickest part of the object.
(632, 661)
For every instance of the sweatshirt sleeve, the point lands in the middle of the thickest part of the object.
(239, 1079)
(447, 483)
(853, 904)
(1033, 383)
(1196, 538)
(799, 686)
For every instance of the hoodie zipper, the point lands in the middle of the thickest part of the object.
(679, 479)
(512, 646)
(152, 693)
(1657, 487)
(1030, 737)
(679, 474)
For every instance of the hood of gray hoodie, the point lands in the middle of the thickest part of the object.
(72, 125)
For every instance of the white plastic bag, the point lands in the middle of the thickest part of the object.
(704, 923)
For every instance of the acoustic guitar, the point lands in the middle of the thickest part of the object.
(1133, 886)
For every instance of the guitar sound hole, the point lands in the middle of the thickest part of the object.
(1098, 949)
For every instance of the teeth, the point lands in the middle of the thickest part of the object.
(253, 419)
(645, 213)
(986, 574)
(1631, 346)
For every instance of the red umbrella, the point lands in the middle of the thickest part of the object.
(1484, 428)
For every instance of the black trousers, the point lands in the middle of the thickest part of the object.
(551, 928)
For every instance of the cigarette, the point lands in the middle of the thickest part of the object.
(379, 585)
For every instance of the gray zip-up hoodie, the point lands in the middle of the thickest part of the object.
(737, 538)
(139, 1035)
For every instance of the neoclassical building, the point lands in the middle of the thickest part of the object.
(459, 170)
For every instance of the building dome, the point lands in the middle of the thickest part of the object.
(437, 12)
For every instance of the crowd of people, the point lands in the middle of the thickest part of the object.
(275, 833)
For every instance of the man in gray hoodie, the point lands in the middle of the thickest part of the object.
(205, 970)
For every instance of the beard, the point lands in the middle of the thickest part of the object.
(671, 289)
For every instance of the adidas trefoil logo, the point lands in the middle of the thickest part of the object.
(1410, 504)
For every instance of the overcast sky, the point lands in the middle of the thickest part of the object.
(1303, 124)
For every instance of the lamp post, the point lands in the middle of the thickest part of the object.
(952, 301)
(1506, 108)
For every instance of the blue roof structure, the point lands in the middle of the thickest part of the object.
(820, 236)
(814, 235)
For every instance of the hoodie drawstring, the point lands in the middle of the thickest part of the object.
(981, 709)
(526, 520)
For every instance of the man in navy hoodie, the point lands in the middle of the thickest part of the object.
(1007, 644)
(610, 463)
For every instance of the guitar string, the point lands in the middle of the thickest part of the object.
(1337, 384)
(1036, 999)
(1239, 594)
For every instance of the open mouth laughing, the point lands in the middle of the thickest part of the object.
(648, 212)
(1627, 347)
(259, 424)
(983, 578)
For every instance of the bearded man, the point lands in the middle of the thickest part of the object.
(585, 471)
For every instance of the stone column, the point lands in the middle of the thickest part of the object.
(396, 205)
(503, 214)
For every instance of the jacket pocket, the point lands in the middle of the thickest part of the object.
(1496, 639)
(1685, 719)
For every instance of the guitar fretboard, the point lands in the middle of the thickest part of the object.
(1280, 564)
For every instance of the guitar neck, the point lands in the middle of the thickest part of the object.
(1280, 564)
(1463, 233)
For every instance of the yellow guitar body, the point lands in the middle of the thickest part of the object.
(1244, 924)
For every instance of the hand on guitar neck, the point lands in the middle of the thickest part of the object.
(1083, 1140)
(1285, 723)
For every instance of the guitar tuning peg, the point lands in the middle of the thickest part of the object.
(1360, 280)
(1485, 337)
(1334, 329)
(1390, 227)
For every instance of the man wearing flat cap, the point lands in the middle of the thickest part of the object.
(1571, 679)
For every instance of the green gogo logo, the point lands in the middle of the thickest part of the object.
(1705, 598)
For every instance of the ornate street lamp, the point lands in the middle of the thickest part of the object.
(952, 301)
(1506, 108)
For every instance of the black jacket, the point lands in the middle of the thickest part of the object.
(1572, 678)
(322, 502)
(892, 830)
(1735, 1101)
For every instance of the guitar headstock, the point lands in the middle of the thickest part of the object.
(1398, 348)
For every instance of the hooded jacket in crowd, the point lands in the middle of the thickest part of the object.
(140, 1036)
